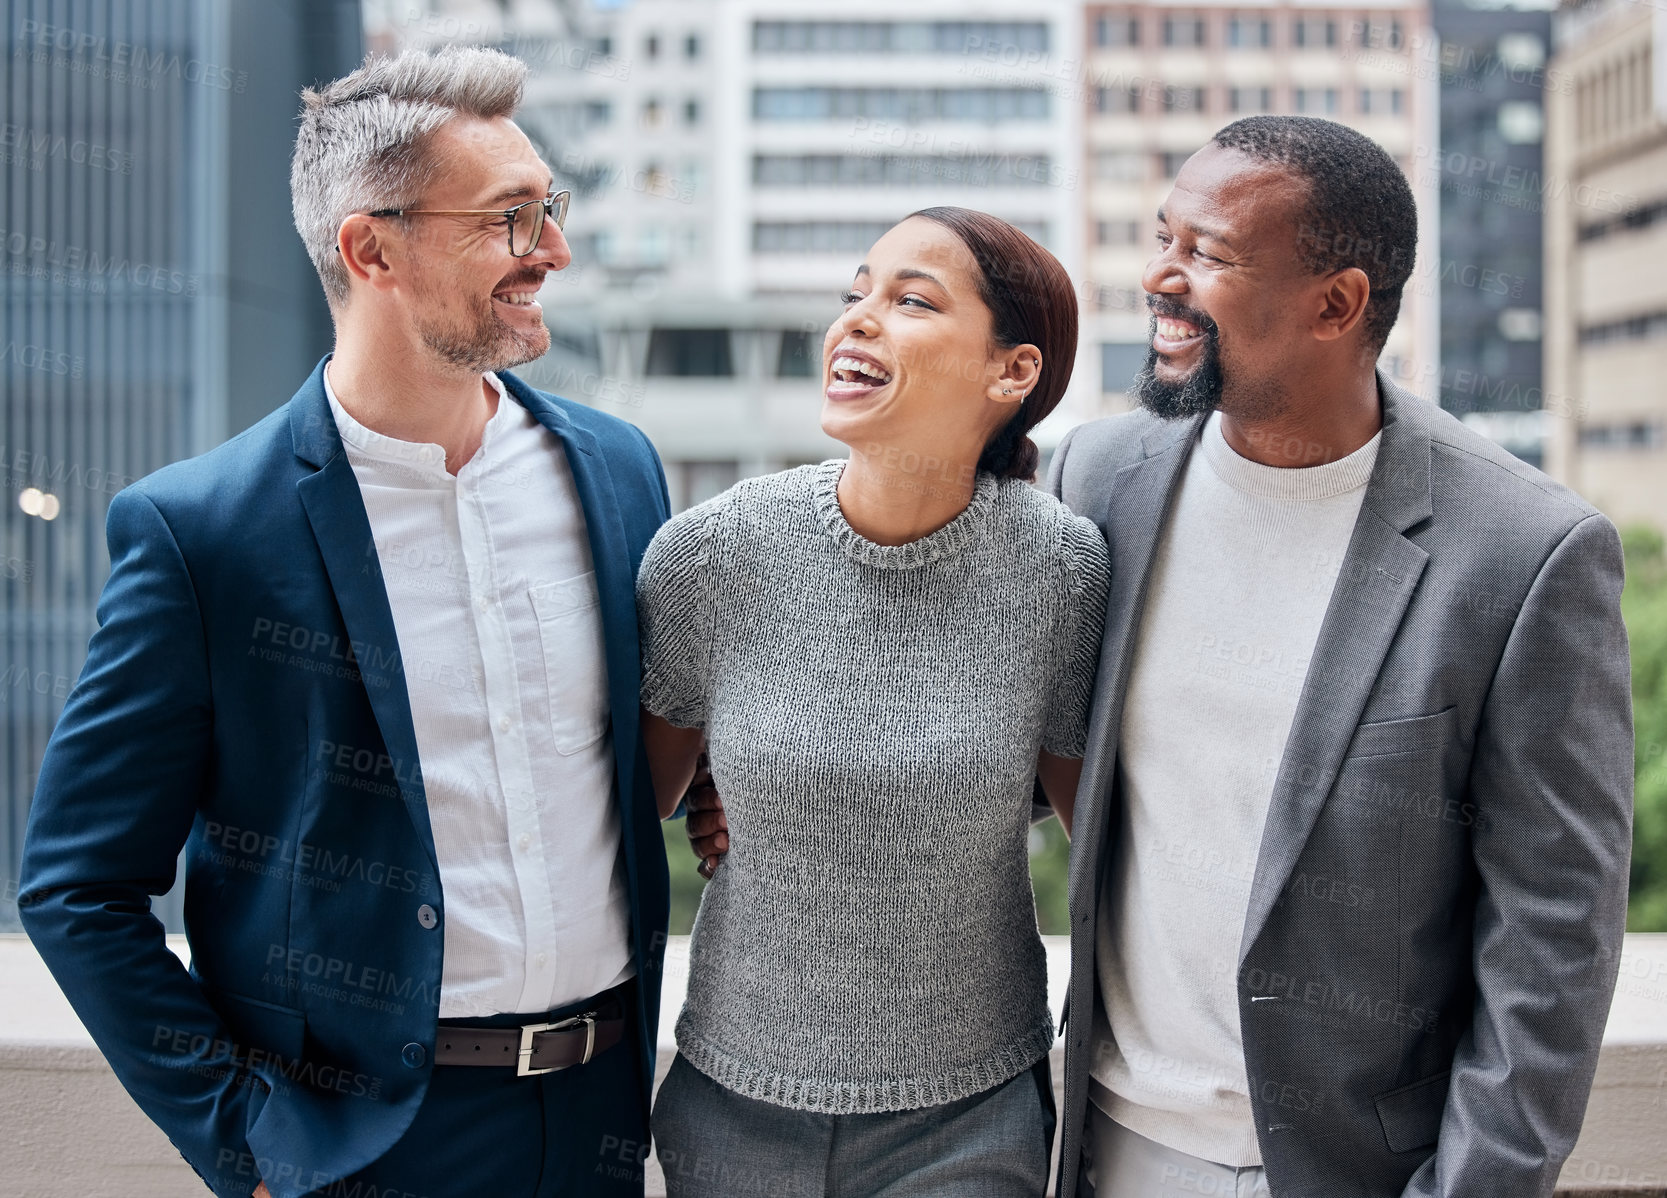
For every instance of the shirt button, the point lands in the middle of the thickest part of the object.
(503, 723)
(523, 840)
(542, 957)
(413, 1054)
(481, 603)
(426, 916)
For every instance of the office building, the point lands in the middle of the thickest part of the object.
(156, 298)
(1605, 253)
(1490, 169)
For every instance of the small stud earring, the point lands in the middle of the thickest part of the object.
(1007, 390)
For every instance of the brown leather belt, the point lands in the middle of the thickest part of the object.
(534, 1048)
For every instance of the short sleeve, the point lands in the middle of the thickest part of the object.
(1076, 653)
(674, 618)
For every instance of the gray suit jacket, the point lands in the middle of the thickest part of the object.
(1462, 746)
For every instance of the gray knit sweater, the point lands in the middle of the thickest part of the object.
(873, 718)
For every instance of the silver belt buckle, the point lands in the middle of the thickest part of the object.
(524, 1058)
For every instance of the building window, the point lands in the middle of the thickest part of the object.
(1314, 33)
(691, 112)
(696, 482)
(598, 113)
(689, 353)
(1521, 122)
(1116, 232)
(902, 170)
(1381, 101)
(801, 355)
(1648, 327)
(1183, 31)
(1317, 101)
(1520, 324)
(900, 37)
(1117, 32)
(1183, 99)
(1249, 99)
(1170, 162)
(1642, 217)
(1378, 35)
(651, 46)
(1117, 99)
(1636, 434)
(653, 246)
(1120, 361)
(694, 175)
(651, 113)
(1521, 51)
(1120, 166)
(1249, 33)
(691, 46)
(816, 236)
(986, 105)
(605, 45)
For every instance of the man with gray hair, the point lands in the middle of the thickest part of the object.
(372, 666)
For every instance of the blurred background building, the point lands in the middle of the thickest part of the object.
(1606, 259)
(155, 297)
(1489, 168)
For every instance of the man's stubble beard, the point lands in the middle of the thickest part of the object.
(487, 343)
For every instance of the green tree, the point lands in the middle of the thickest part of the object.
(686, 882)
(1644, 606)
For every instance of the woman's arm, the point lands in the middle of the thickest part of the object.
(672, 753)
(1059, 777)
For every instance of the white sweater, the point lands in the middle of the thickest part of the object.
(1239, 587)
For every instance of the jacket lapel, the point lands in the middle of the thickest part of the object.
(336, 510)
(1380, 571)
(1137, 504)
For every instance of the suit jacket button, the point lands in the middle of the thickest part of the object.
(413, 1054)
(426, 916)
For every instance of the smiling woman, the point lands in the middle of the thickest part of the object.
(880, 656)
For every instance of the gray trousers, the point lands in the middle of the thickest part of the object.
(715, 1143)
(1119, 1163)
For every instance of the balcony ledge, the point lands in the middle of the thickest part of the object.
(55, 1086)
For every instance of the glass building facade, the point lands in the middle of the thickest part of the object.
(155, 298)
(1490, 163)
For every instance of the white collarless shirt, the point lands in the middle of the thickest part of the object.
(1241, 579)
(495, 606)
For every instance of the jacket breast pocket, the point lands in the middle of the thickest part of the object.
(1411, 1116)
(1384, 738)
(569, 617)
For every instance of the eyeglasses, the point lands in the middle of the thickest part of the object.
(525, 221)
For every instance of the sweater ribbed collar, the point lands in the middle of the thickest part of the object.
(934, 546)
(1280, 482)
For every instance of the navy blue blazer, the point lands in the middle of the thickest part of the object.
(244, 700)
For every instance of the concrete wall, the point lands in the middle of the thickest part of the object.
(72, 1132)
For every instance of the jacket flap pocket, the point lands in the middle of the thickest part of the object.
(254, 1023)
(1411, 1116)
(1422, 732)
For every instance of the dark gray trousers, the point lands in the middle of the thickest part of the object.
(715, 1143)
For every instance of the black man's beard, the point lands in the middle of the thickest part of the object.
(1195, 394)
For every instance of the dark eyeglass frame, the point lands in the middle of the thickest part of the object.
(555, 207)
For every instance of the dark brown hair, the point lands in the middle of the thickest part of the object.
(1031, 300)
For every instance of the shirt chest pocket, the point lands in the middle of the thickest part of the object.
(569, 617)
